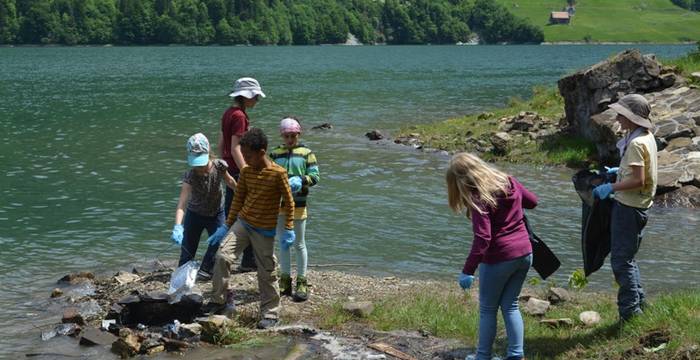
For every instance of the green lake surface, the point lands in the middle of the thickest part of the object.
(93, 148)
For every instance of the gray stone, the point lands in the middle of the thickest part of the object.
(92, 336)
(558, 295)
(695, 76)
(127, 345)
(360, 309)
(189, 330)
(76, 278)
(72, 315)
(589, 318)
(686, 197)
(536, 307)
(501, 142)
(667, 179)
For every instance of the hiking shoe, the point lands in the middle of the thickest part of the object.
(203, 275)
(229, 309)
(302, 289)
(245, 269)
(267, 323)
(285, 285)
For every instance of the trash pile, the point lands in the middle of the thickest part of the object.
(130, 313)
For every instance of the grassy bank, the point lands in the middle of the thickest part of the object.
(455, 134)
(656, 21)
(673, 316)
(687, 65)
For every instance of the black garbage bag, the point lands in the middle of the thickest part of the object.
(595, 221)
(543, 259)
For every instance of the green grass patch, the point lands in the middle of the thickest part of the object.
(655, 21)
(686, 65)
(465, 133)
(456, 315)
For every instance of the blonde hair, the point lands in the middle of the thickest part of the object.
(472, 183)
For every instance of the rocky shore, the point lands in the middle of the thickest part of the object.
(675, 103)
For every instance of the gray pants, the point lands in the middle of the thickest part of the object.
(233, 244)
(625, 238)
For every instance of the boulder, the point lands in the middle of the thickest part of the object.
(686, 197)
(361, 309)
(374, 135)
(678, 143)
(501, 142)
(536, 307)
(589, 318)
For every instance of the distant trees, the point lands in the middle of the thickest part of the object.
(688, 4)
(258, 22)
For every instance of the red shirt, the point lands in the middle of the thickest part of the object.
(234, 122)
(500, 233)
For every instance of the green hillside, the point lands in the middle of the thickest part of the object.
(612, 20)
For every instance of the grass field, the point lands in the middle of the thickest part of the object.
(654, 21)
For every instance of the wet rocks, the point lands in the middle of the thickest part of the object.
(324, 126)
(374, 135)
(56, 292)
(72, 315)
(127, 345)
(124, 277)
(92, 336)
(214, 326)
(589, 318)
(77, 277)
(361, 309)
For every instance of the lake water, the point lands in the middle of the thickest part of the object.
(93, 147)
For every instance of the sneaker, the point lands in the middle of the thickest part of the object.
(285, 285)
(302, 289)
(229, 309)
(267, 323)
(246, 269)
(203, 275)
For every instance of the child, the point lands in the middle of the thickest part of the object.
(256, 204)
(634, 192)
(302, 170)
(234, 123)
(201, 193)
(501, 247)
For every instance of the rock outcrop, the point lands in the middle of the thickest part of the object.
(675, 113)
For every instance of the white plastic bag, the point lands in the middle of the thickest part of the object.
(182, 280)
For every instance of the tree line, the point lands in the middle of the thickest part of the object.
(259, 22)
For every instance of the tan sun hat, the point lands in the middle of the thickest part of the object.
(635, 108)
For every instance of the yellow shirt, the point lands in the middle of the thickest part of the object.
(641, 151)
(258, 196)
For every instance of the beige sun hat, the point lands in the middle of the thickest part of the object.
(635, 108)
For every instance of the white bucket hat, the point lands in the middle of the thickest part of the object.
(246, 87)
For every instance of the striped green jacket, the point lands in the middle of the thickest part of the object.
(299, 161)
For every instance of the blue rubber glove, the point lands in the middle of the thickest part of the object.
(612, 170)
(465, 281)
(219, 234)
(287, 239)
(295, 183)
(603, 191)
(178, 234)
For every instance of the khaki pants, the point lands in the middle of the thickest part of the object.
(233, 244)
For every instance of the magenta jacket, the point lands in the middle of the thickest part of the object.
(500, 234)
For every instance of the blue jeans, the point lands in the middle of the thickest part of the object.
(499, 286)
(194, 224)
(248, 259)
(625, 237)
(299, 246)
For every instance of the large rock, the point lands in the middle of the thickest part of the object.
(501, 142)
(92, 336)
(536, 307)
(591, 90)
(686, 197)
(589, 318)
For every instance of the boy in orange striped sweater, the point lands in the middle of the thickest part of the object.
(254, 210)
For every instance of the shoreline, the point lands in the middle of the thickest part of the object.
(545, 43)
(357, 315)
